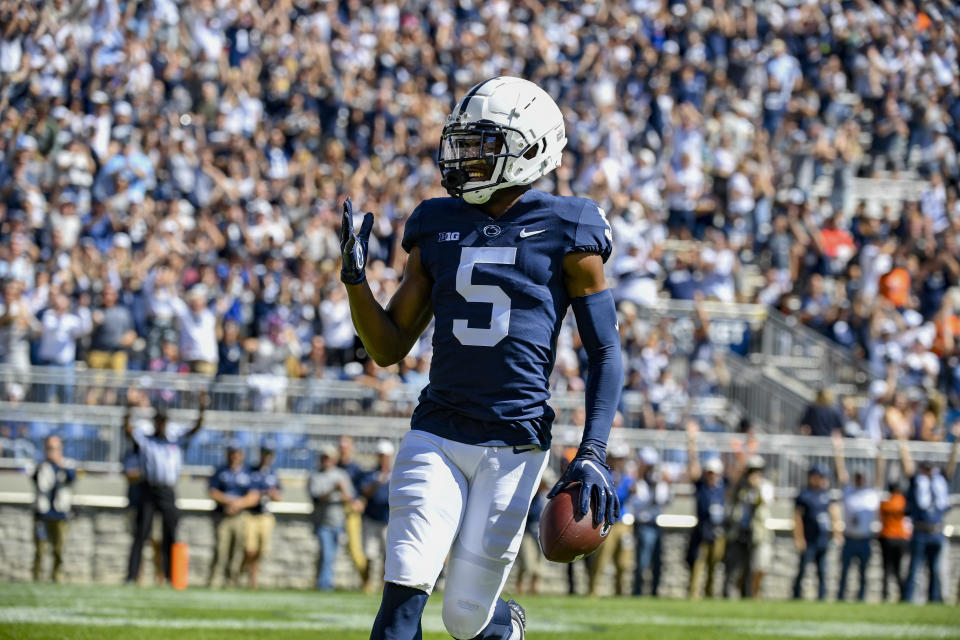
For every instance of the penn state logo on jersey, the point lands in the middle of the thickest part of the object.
(492, 231)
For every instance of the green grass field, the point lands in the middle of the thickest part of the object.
(102, 613)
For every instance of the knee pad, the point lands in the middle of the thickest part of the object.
(464, 618)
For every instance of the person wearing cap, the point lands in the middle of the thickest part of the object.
(330, 489)
(651, 493)
(617, 546)
(861, 505)
(231, 488)
(749, 551)
(928, 500)
(161, 458)
(260, 522)
(815, 519)
(707, 540)
(375, 488)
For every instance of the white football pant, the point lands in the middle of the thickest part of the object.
(465, 500)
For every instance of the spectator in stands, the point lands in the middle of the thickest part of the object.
(197, 323)
(928, 500)
(822, 417)
(618, 546)
(816, 519)
(161, 457)
(113, 334)
(331, 491)
(375, 488)
(232, 490)
(353, 523)
(17, 323)
(707, 540)
(60, 329)
(260, 524)
(530, 558)
(650, 495)
(861, 506)
(52, 481)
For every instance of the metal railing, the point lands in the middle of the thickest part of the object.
(772, 400)
(804, 354)
(93, 437)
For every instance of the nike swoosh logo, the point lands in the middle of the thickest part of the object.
(526, 234)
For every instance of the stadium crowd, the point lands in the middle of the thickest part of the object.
(171, 174)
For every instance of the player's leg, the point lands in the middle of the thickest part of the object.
(58, 535)
(427, 498)
(916, 559)
(39, 547)
(500, 491)
(933, 552)
(846, 558)
(144, 523)
(864, 562)
(821, 558)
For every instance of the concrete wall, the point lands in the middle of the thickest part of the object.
(98, 544)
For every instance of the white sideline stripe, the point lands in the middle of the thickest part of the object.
(319, 621)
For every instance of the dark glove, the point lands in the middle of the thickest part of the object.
(353, 247)
(590, 469)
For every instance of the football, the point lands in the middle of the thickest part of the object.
(565, 537)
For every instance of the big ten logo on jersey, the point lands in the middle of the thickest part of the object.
(448, 236)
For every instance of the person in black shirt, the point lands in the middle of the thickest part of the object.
(822, 417)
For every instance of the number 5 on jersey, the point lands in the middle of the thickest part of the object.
(483, 293)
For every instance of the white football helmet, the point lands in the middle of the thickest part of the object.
(504, 132)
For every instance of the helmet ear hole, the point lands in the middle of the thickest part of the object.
(532, 152)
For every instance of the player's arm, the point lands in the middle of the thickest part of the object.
(387, 334)
(693, 458)
(951, 467)
(798, 537)
(596, 316)
(838, 460)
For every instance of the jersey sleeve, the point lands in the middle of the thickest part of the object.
(591, 233)
(412, 230)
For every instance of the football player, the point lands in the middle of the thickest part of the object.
(496, 265)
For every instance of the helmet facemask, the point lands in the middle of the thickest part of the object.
(473, 158)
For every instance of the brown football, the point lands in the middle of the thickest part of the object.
(565, 538)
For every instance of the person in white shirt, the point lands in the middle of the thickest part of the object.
(861, 506)
(198, 331)
(59, 331)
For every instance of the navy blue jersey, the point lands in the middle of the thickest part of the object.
(263, 479)
(498, 301)
(814, 507)
(233, 483)
(711, 501)
(378, 502)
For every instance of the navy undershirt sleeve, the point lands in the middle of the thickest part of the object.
(597, 322)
